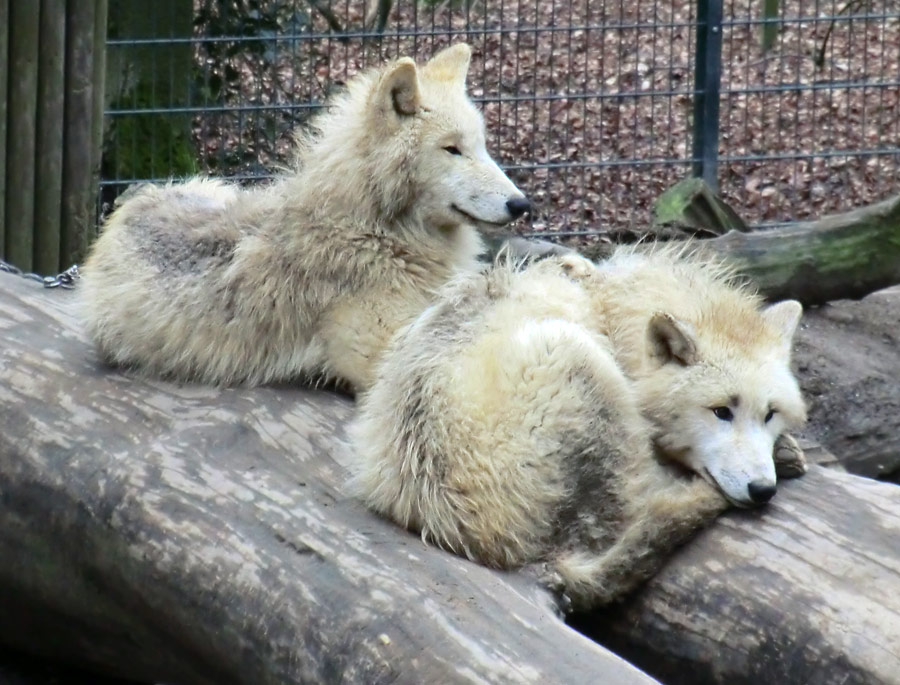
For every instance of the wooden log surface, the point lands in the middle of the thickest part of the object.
(194, 535)
(836, 257)
(189, 534)
(806, 591)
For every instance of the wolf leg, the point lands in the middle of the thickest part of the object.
(666, 516)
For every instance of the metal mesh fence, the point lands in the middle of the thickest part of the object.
(588, 103)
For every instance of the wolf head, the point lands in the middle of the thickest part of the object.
(722, 392)
(425, 146)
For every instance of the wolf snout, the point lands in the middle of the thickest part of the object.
(760, 491)
(517, 206)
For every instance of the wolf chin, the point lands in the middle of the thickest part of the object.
(312, 275)
(580, 419)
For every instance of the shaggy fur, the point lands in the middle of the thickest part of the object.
(538, 414)
(312, 275)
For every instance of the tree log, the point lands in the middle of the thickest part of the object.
(837, 257)
(692, 204)
(197, 535)
(805, 591)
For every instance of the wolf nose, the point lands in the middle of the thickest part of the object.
(517, 206)
(761, 492)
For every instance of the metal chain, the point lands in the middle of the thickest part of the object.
(66, 279)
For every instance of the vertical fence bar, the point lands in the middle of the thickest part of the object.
(97, 122)
(4, 113)
(707, 87)
(49, 144)
(770, 27)
(78, 193)
(24, 21)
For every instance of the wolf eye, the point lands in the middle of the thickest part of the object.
(770, 415)
(723, 413)
(453, 150)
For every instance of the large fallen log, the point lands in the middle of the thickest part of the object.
(195, 535)
(191, 535)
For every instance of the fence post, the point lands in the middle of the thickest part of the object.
(48, 152)
(24, 22)
(51, 107)
(707, 87)
(4, 110)
(85, 45)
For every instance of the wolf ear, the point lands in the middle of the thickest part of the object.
(450, 64)
(671, 340)
(399, 88)
(784, 317)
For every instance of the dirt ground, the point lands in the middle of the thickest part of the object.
(847, 356)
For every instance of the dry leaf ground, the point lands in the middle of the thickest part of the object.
(588, 102)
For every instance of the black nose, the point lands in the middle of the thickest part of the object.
(517, 206)
(761, 492)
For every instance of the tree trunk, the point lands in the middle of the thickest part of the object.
(19, 131)
(51, 88)
(198, 535)
(4, 113)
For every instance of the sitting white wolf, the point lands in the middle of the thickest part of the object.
(312, 275)
(546, 414)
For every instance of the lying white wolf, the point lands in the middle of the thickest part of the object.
(313, 274)
(544, 414)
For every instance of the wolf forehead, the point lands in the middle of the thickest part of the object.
(743, 359)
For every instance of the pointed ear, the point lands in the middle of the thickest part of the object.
(398, 89)
(450, 64)
(784, 317)
(671, 340)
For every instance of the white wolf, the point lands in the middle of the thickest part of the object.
(312, 275)
(544, 414)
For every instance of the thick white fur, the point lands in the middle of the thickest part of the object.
(534, 414)
(312, 275)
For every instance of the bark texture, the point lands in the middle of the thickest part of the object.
(195, 535)
(806, 591)
(837, 257)
(200, 535)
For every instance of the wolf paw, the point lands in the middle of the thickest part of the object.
(789, 459)
(550, 579)
(576, 266)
